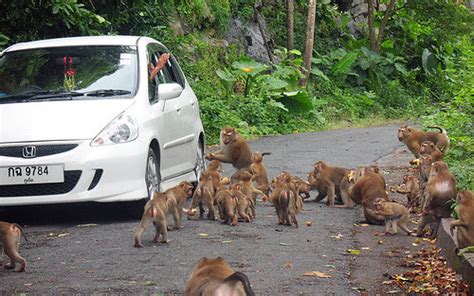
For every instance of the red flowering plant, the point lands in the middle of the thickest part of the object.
(69, 72)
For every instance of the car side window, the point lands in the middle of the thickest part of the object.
(152, 84)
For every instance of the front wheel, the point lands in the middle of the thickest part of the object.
(152, 173)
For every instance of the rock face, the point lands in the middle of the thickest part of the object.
(249, 38)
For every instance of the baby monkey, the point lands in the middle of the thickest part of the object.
(395, 214)
(10, 242)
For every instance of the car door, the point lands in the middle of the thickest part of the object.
(166, 120)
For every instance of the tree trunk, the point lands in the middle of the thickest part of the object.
(308, 51)
(258, 18)
(290, 24)
(383, 24)
(370, 21)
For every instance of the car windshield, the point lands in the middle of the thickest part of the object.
(68, 72)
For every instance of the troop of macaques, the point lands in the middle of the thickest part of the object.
(413, 138)
(440, 190)
(465, 223)
(395, 214)
(215, 277)
(10, 238)
(259, 173)
(332, 178)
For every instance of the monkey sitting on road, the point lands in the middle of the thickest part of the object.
(10, 238)
(395, 215)
(214, 277)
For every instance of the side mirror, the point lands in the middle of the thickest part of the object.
(168, 91)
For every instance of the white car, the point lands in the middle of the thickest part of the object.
(82, 119)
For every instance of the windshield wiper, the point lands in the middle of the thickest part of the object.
(107, 92)
(39, 95)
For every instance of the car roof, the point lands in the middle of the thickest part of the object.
(77, 41)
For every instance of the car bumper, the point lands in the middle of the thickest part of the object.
(102, 174)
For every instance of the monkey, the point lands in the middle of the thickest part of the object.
(245, 204)
(412, 190)
(365, 187)
(395, 214)
(440, 189)
(302, 187)
(235, 149)
(227, 206)
(214, 168)
(413, 138)
(333, 177)
(212, 277)
(247, 187)
(259, 173)
(204, 193)
(429, 148)
(424, 172)
(284, 201)
(10, 244)
(156, 211)
(179, 193)
(288, 179)
(322, 187)
(465, 223)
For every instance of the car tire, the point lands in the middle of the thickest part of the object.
(152, 174)
(200, 165)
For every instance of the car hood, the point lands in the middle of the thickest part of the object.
(57, 120)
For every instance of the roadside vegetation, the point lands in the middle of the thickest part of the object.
(421, 67)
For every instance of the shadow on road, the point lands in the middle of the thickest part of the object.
(76, 213)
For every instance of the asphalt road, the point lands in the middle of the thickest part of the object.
(88, 248)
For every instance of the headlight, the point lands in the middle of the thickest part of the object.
(122, 129)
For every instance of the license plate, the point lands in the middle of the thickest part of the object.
(32, 174)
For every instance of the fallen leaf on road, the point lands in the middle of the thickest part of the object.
(132, 282)
(309, 223)
(365, 248)
(289, 265)
(285, 244)
(28, 284)
(331, 266)
(227, 242)
(353, 252)
(203, 234)
(338, 236)
(380, 242)
(87, 225)
(150, 283)
(317, 274)
(364, 225)
(63, 234)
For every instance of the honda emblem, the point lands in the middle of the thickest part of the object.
(29, 151)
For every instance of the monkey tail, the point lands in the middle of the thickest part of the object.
(21, 230)
(266, 153)
(441, 130)
(240, 277)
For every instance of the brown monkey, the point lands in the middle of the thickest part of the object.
(429, 148)
(179, 193)
(259, 173)
(204, 193)
(213, 168)
(156, 211)
(366, 187)
(284, 201)
(212, 277)
(10, 238)
(424, 172)
(302, 187)
(286, 178)
(394, 214)
(235, 151)
(247, 187)
(227, 206)
(318, 183)
(440, 189)
(413, 138)
(411, 189)
(465, 223)
(333, 177)
(245, 203)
